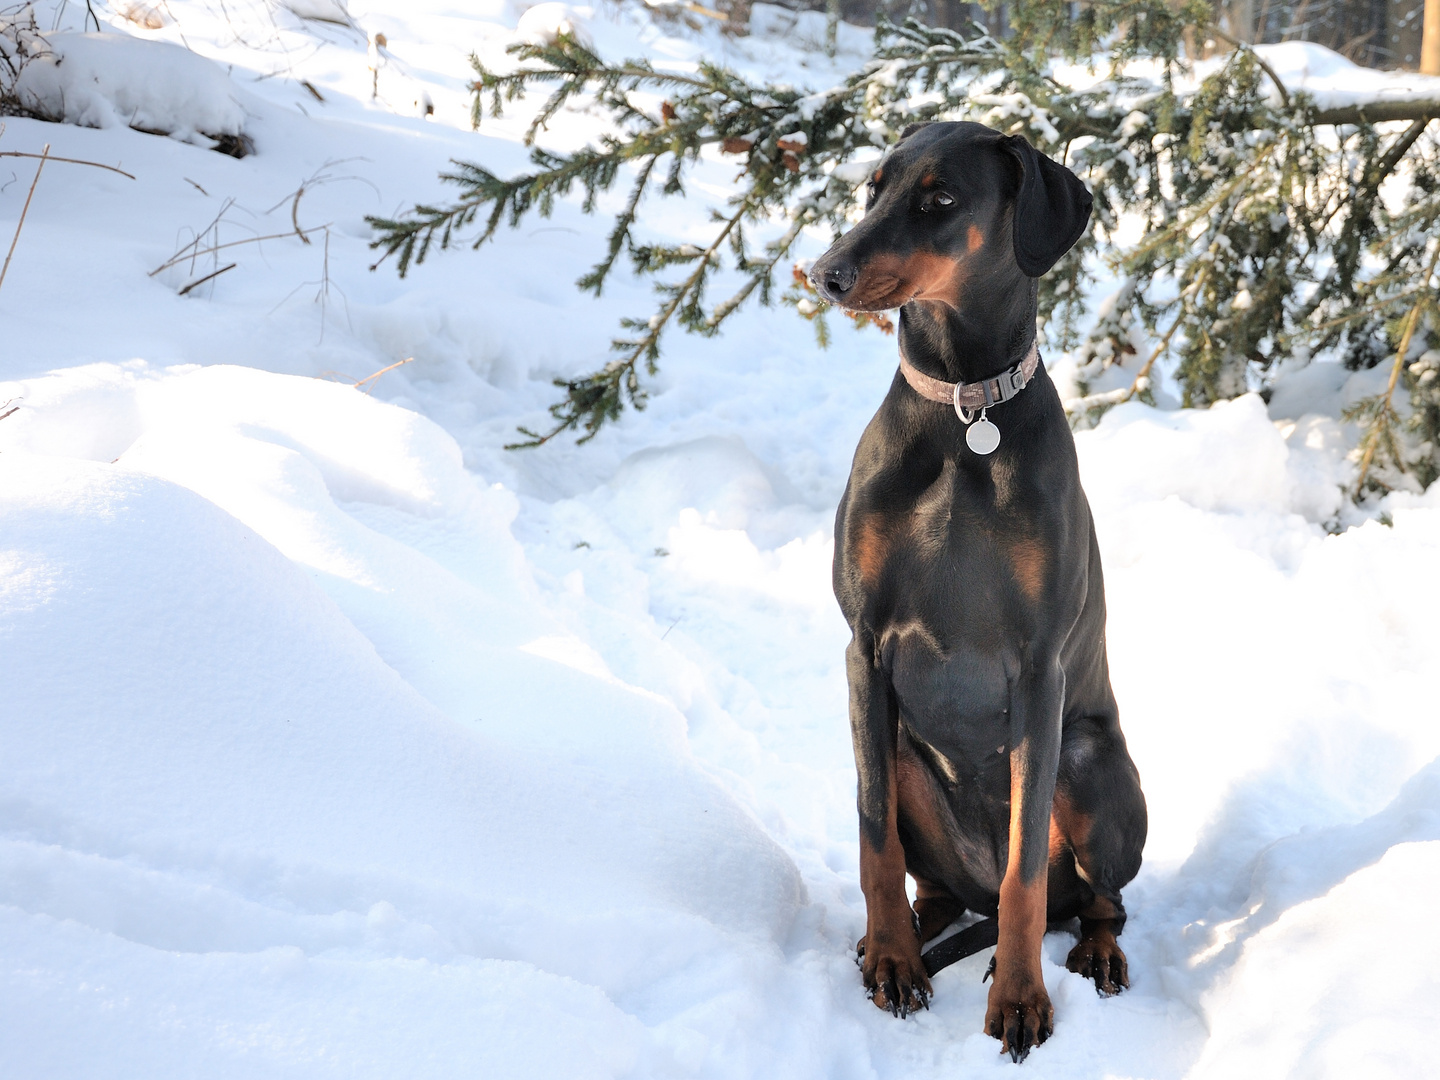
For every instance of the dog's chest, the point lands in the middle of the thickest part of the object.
(957, 699)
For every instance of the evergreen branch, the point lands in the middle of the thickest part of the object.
(620, 235)
(1381, 429)
(1269, 232)
(594, 399)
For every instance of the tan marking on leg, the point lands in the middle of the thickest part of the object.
(1018, 1011)
(1097, 955)
(890, 950)
(1059, 846)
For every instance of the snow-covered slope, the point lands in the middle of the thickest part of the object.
(339, 741)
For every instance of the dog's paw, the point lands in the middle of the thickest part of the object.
(1019, 1014)
(895, 977)
(1099, 958)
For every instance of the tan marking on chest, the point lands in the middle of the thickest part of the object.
(1027, 561)
(872, 547)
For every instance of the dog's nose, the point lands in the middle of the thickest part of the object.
(834, 281)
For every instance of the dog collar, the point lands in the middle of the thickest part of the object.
(980, 435)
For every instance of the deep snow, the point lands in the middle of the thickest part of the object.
(339, 741)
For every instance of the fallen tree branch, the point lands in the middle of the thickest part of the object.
(1376, 112)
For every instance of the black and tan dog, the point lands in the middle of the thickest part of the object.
(991, 764)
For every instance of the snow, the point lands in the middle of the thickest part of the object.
(108, 80)
(544, 24)
(340, 741)
(1335, 82)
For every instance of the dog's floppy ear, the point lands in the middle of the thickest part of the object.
(1051, 210)
(910, 129)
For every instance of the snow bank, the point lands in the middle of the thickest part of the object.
(1311, 993)
(109, 80)
(206, 757)
(324, 755)
(1334, 82)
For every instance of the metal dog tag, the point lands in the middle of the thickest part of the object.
(982, 436)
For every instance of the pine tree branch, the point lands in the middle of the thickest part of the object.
(1262, 223)
(1381, 428)
(594, 399)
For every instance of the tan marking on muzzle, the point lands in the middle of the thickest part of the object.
(888, 281)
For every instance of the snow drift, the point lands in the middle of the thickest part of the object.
(109, 80)
(339, 741)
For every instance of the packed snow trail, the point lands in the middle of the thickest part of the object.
(339, 741)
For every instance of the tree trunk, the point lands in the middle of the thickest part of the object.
(1430, 39)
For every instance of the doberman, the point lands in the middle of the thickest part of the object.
(991, 764)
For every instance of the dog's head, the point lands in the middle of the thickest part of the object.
(952, 204)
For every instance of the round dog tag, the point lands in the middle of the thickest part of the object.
(982, 436)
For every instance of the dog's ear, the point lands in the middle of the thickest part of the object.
(1051, 210)
(910, 129)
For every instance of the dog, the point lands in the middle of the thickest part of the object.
(991, 764)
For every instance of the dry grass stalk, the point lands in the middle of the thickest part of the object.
(44, 156)
(382, 371)
(208, 277)
(66, 160)
(193, 251)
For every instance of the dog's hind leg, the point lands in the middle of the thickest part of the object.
(926, 840)
(1100, 811)
(935, 908)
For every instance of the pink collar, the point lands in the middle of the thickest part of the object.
(976, 395)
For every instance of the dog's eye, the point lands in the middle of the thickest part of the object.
(941, 199)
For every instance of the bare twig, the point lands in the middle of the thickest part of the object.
(319, 178)
(67, 160)
(10, 407)
(187, 253)
(207, 277)
(44, 156)
(295, 214)
(382, 371)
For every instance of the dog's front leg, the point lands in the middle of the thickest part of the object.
(890, 950)
(1019, 1013)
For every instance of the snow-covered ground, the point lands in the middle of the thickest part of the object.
(339, 741)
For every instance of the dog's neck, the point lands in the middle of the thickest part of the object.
(989, 333)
